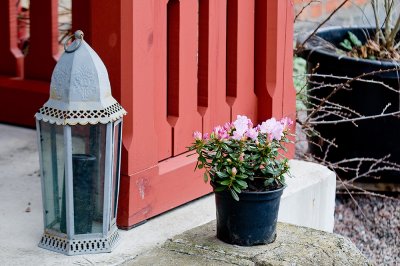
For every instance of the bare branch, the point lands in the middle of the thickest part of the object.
(323, 22)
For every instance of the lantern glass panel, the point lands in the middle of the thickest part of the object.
(52, 156)
(116, 168)
(88, 159)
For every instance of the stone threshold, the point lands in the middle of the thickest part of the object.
(295, 245)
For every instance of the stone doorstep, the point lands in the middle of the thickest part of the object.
(294, 245)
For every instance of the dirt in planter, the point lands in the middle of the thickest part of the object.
(377, 234)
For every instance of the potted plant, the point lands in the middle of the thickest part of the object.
(247, 170)
(355, 68)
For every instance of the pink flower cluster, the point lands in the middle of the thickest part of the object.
(242, 128)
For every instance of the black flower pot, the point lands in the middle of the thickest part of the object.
(373, 138)
(249, 221)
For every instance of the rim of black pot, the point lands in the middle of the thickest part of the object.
(250, 195)
(378, 63)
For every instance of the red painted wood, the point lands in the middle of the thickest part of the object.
(158, 189)
(212, 64)
(273, 60)
(81, 18)
(163, 128)
(43, 43)
(240, 53)
(289, 92)
(11, 57)
(183, 115)
(21, 99)
(131, 38)
(123, 39)
(270, 52)
(143, 151)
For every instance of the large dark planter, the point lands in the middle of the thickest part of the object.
(374, 137)
(249, 221)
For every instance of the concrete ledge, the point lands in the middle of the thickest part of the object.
(309, 199)
(294, 246)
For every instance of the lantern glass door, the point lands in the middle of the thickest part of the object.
(52, 160)
(88, 168)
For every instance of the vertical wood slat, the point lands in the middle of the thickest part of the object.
(163, 128)
(11, 57)
(81, 18)
(212, 64)
(43, 43)
(270, 54)
(289, 92)
(123, 38)
(187, 120)
(240, 59)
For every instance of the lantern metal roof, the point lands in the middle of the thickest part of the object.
(80, 91)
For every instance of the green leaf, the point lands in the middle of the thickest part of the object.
(219, 189)
(242, 184)
(234, 194)
(283, 180)
(269, 170)
(241, 176)
(268, 181)
(353, 38)
(346, 44)
(222, 174)
(225, 182)
(200, 166)
(236, 188)
(205, 177)
(226, 148)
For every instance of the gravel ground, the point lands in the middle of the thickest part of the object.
(377, 235)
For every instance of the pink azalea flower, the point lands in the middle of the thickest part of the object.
(197, 135)
(277, 131)
(286, 122)
(228, 126)
(206, 136)
(252, 133)
(220, 133)
(234, 171)
(237, 136)
(268, 125)
(241, 126)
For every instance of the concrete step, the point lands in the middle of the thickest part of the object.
(294, 245)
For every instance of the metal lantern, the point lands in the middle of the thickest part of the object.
(79, 135)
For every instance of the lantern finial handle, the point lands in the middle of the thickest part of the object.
(79, 37)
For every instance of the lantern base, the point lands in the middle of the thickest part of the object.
(86, 244)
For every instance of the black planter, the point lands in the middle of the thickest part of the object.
(249, 221)
(374, 137)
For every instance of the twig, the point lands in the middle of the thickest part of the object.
(342, 85)
(303, 8)
(345, 120)
(323, 22)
